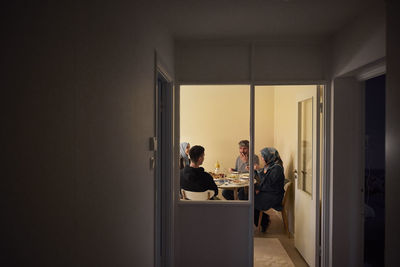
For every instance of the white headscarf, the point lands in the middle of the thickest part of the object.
(182, 150)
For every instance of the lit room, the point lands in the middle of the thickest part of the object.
(217, 119)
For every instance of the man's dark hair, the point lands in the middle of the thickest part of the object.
(195, 153)
(244, 143)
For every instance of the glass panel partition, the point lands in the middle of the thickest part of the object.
(215, 118)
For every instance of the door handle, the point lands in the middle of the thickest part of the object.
(152, 163)
(295, 174)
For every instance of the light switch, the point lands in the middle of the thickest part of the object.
(153, 144)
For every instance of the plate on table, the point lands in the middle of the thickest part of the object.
(219, 182)
(244, 176)
(217, 175)
(233, 175)
(238, 181)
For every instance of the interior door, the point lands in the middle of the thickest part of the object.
(307, 183)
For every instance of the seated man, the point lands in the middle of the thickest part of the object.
(242, 165)
(193, 177)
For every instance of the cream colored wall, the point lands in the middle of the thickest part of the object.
(217, 117)
(285, 127)
(264, 118)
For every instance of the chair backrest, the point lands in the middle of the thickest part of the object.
(190, 195)
(285, 195)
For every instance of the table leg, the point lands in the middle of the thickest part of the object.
(235, 194)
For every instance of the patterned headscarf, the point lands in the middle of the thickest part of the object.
(271, 156)
(182, 150)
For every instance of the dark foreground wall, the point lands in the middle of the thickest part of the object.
(392, 134)
(77, 111)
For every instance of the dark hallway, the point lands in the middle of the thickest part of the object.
(374, 225)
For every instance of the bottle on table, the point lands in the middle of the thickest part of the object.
(217, 167)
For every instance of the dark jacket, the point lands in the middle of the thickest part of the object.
(197, 180)
(183, 163)
(271, 188)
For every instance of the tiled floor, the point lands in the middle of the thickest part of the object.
(276, 230)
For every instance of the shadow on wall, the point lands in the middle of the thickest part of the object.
(289, 174)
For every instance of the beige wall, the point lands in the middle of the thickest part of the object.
(264, 118)
(283, 124)
(216, 117)
(223, 120)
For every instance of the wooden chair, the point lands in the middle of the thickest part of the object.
(281, 209)
(190, 195)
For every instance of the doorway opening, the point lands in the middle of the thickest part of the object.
(374, 180)
(293, 115)
(162, 164)
(271, 115)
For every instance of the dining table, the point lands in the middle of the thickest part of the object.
(233, 183)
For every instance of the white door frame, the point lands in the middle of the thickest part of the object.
(326, 182)
(163, 178)
(359, 75)
(366, 73)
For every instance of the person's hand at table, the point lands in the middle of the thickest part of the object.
(244, 157)
(255, 167)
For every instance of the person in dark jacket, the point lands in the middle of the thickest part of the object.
(184, 155)
(269, 193)
(193, 177)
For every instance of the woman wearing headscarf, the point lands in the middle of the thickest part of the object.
(184, 155)
(269, 193)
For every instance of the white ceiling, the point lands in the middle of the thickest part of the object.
(254, 18)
